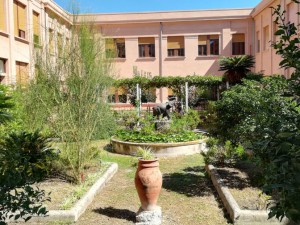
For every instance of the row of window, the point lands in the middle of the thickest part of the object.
(20, 21)
(207, 45)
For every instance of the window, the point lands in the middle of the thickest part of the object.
(117, 95)
(175, 46)
(266, 38)
(2, 66)
(238, 44)
(214, 45)
(115, 48)
(51, 41)
(257, 41)
(59, 44)
(146, 47)
(202, 45)
(20, 19)
(36, 28)
(2, 16)
(22, 76)
(208, 44)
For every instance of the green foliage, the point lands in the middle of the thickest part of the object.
(5, 105)
(223, 154)
(173, 82)
(188, 121)
(25, 159)
(179, 131)
(29, 154)
(144, 153)
(264, 117)
(136, 136)
(126, 119)
(67, 98)
(244, 106)
(255, 76)
(236, 67)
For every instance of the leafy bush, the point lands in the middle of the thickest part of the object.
(188, 121)
(244, 111)
(264, 117)
(136, 136)
(25, 159)
(223, 154)
(255, 76)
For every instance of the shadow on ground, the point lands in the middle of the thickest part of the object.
(116, 213)
(191, 182)
(232, 179)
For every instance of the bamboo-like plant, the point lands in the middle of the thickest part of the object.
(68, 96)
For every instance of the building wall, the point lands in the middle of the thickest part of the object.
(14, 49)
(256, 24)
(266, 59)
(191, 63)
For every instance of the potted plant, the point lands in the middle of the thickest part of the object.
(148, 179)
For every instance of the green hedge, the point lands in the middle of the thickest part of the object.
(169, 81)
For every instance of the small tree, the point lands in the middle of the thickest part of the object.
(236, 67)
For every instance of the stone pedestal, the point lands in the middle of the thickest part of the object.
(162, 124)
(149, 217)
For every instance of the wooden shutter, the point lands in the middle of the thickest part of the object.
(110, 44)
(51, 41)
(238, 38)
(146, 40)
(214, 36)
(202, 40)
(2, 16)
(175, 42)
(22, 17)
(59, 44)
(36, 27)
(120, 40)
(16, 26)
(22, 73)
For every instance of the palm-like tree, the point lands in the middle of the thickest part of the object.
(236, 67)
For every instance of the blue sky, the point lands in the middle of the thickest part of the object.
(107, 6)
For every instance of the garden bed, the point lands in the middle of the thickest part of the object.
(242, 187)
(160, 149)
(69, 202)
(242, 201)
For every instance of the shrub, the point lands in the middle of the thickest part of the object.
(244, 111)
(25, 159)
(223, 154)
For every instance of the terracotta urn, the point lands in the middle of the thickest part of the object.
(148, 183)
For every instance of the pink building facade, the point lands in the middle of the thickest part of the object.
(174, 43)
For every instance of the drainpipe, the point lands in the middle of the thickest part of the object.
(160, 58)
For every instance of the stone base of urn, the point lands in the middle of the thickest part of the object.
(153, 217)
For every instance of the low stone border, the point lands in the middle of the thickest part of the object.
(238, 215)
(76, 211)
(161, 149)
